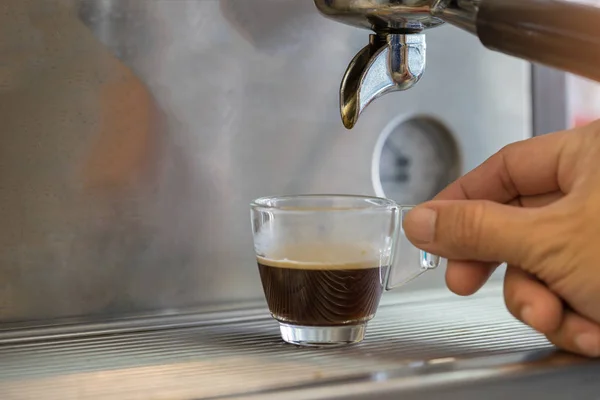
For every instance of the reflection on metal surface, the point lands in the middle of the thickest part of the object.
(388, 63)
(412, 342)
(395, 16)
(133, 135)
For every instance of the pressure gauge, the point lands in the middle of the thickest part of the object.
(414, 160)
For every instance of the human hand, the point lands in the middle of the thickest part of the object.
(536, 206)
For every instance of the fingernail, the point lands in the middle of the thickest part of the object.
(527, 315)
(588, 344)
(419, 224)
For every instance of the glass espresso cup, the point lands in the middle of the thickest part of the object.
(325, 260)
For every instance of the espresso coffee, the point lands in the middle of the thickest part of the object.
(321, 293)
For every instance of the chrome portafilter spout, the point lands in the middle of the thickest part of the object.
(395, 57)
(564, 34)
(390, 62)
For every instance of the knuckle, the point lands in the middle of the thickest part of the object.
(555, 230)
(507, 149)
(505, 176)
(566, 338)
(557, 248)
(511, 292)
(593, 128)
(467, 227)
(556, 340)
(511, 304)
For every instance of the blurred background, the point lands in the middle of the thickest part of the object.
(583, 100)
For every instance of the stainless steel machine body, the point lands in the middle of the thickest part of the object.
(133, 135)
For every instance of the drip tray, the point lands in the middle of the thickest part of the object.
(421, 344)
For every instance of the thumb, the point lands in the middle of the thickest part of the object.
(472, 230)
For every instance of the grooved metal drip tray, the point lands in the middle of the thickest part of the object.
(417, 343)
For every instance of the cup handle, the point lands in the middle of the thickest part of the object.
(399, 274)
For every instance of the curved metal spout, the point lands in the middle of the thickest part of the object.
(389, 63)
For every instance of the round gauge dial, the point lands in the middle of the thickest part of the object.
(417, 159)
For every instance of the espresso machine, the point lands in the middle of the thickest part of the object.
(134, 134)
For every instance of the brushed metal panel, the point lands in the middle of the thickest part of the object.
(133, 135)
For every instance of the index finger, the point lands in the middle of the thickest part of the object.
(524, 168)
